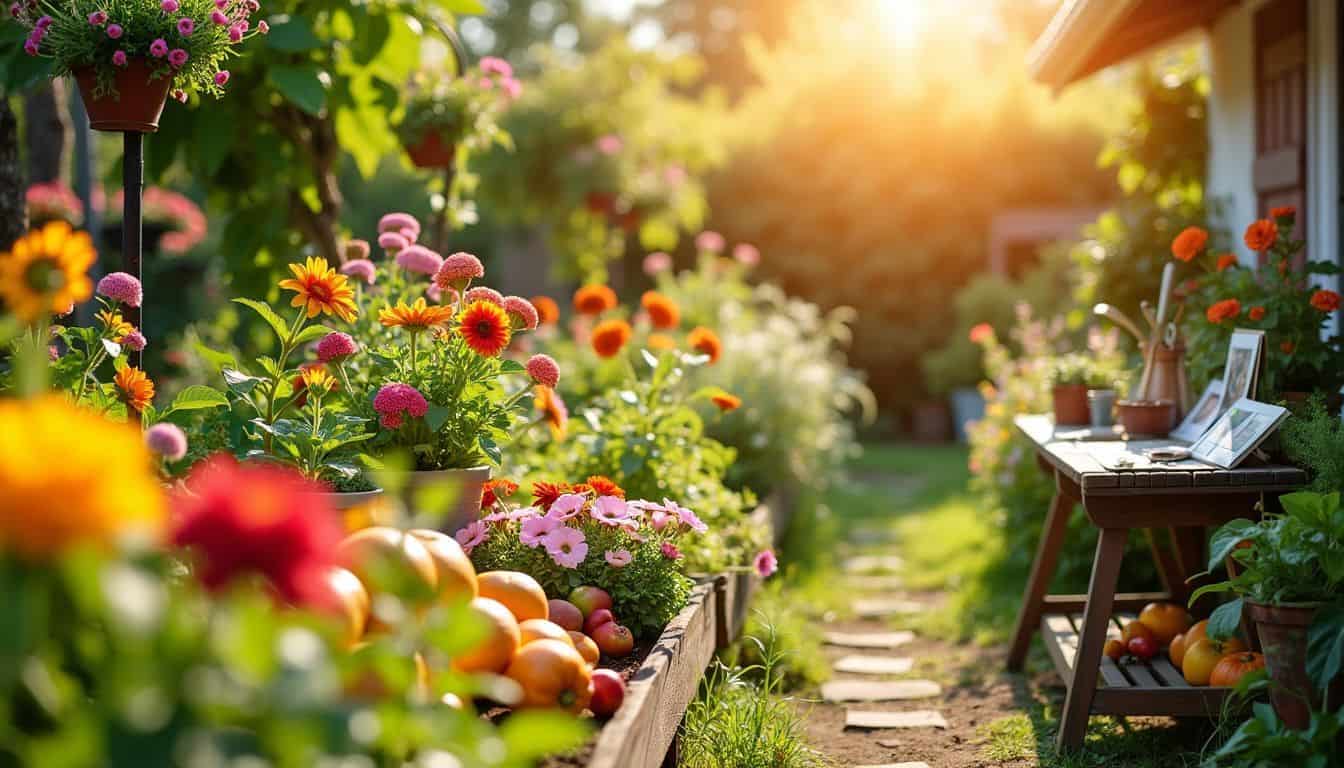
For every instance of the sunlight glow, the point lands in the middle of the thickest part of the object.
(902, 21)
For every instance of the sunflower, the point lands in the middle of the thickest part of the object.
(594, 299)
(663, 311)
(46, 271)
(553, 410)
(610, 337)
(485, 327)
(321, 289)
(135, 388)
(57, 489)
(416, 317)
(706, 342)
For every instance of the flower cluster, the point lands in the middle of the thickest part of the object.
(459, 110)
(51, 201)
(182, 219)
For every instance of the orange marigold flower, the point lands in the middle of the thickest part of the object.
(553, 410)
(594, 299)
(1223, 310)
(1256, 313)
(495, 490)
(661, 342)
(726, 401)
(134, 388)
(981, 333)
(1287, 347)
(321, 289)
(706, 342)
(1189, 243)
(605, 486)
(610, 337)
(547, 310)
(663, 311)
(1283, 212)
(1226, 260)
(544, 494)
(416, 317)
(1326, 301)
(1261, 235)
(485, 327)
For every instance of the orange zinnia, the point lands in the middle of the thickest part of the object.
(135, 388)
(1325, 301)
(1223, 310)
(554, 411)
(705, 341)
(547, 310)
(605, 486)
(1226, 260)
(725, 401)
(485, 327)
(321, 289)
(1256, 313)
(1283, 212)
(1261, 235)
(416, 317)
(663, 311)
(1189, 243)
(594, 299)
(660, 342)
(610, 337)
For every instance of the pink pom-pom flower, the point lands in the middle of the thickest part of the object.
(522, 314)
(121, 287)
(335, 347)
(395, 401)
(544, 370)
(657, 263)
(392, 242)
(419, 259)
(185, 26)
(458, 271)
(221, 77)
(396, 222)
(135, 341)
(167, 440)
(489, 295)
(360, 269)
(709, 241)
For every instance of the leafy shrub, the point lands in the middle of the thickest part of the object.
(1314, 439)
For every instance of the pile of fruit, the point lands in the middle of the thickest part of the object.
(549, 648)
(1202, 660)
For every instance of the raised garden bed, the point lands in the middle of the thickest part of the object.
(735, 590)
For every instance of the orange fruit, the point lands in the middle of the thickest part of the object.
(1114, 649)
(1234, 666)
(340, 594)
(1200, 659)
(457, 576)
(1166, 620)
(388, 553)
(494, 653)
(586, 647)
(1177, 649)
(520, 593)
(541, 629)
(1135, 629)
(553, 676)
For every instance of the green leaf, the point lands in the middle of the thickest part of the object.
(1225, 620)
(512, 366)
(198, 396)
(293, 34)
(219, 360)
(437, 416)
(1226, 539)
(267, 314)
(211, 139)
(301, 85)
(312, 333)
(533, 735)
(1325, 646)
(239, 382)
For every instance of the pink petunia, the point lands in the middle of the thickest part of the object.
(568, 547)
(159, 48)
(119, 58)
(610, 511)
(185, 26)
(766, 564)
(567, 506)
(524, 513)
(115, 31)
(263, 27)
(97, 18)
(534, 529)
(177, 58)
(219, 18)
(686, 517)
(169, 6)
(618, 558)
(472, 535)
(221, 77)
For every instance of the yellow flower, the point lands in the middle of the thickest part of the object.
(46, 271)
(134, 388)
(321, 289)
(70, 477)
(317, 379)
(416, 317)
(116, 327)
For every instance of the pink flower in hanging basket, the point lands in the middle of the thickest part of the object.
(180, 95)
(119, 58)
(114, 31)
(221, 4)
(618, 558)
(221, 77)
(169, 6)
(219, 18)
(567, 546)
(159, 48)
(263, 27)
(98, 18)
(185, 26)
(178, 57)
(657, 263)
(235, 34)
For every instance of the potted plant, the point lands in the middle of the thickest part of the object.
(1069, 381)
(128, 55)
(444, 113)
(1288, 574)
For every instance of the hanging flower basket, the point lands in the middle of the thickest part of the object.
(137, 103)
(432, 151)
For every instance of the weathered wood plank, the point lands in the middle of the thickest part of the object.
(1061, 642)
(1165, 671)
(1176, 702)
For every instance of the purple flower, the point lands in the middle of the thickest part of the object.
(98, 18)
(472, 536)
(15, 10)
(167, 440)
(618, 558)
(114, 31)
(534, 529)
(567, 546)
(221, 4)
(419, 259)
(121, 287)
(360, 269)
(235, 34)
(567, 506)
(335, 347)
(221, 77)
(178, 57)
(43, 23)
(169, 6)
(159, 48)
(766, 564)
(30, 47)
(135, 341)
(185, 26)
(610, 511)
(670, 551)
(218, 18)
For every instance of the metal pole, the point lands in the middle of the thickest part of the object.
(85, 161)
(132, 185)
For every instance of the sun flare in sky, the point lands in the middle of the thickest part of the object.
(902, 21)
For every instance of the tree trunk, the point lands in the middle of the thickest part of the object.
(47, 129)
(316, 136)
(13, 219)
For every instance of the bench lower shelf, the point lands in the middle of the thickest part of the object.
(1154, 687)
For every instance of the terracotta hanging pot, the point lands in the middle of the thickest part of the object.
(432, 151)
(137, 104)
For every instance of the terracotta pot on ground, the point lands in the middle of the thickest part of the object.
(432, 151)
(138, 103)
(1071, 408)
(1146, 418)
(453, 495)
(1283, 639)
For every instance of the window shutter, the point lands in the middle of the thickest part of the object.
(1280, 171)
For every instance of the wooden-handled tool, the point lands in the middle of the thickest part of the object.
(1159, 323)
(1119, 318)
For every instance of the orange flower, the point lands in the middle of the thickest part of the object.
(485, 327)
(981, 333)
(547, 310)
(317, 379)
(594, 299)
(1226, 260)
(1287, 347)
(495, 490)
(661, 342)
(1223, 310)
(135, 388)
(321, 289)
(1189, 243)
(1326, 301)
(114, 325)
(610, 336)
(605, 486)
(706, 342)
(1261, 235)
(663, 311)
(416, 317)
(553, 410)
(1283, 212)
(725, 401)
(1256, 313)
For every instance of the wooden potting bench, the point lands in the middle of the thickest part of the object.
(1182, 500)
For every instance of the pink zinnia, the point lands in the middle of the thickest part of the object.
(114, 31)
(185, 26)
(493, 65)
(458, 271)
(472, 536)
(766, 564)
(395, 401)
(218, 18)
(534, 529)
(159, 48)
(222, 77)
(361, 269)
(396, 222)
(521, 313)
(544, 370)
(670, 551)
(335, 347)
(167, 440)
(481, 293)
(121, 287)
(618, 558)
(567, 546)
(177, 57)
(710, 241)
(419, 259)
(567, 506)
(610, 511)
(657, 263)
(169, 6)
(392, 242)
(747, 254)
(98, 18)
(356, 249)
(610, 144)
(687, 518)
(135, 341)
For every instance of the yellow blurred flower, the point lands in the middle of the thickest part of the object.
(68, 477)
(46, 271)
(321, 290)
(114, 325)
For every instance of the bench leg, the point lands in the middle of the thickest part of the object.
(1096, 618)
(1042, 571)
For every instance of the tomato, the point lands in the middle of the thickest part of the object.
(1166, 620)
(541, 629)
(552, 675)
(1114, 649)
(494, 653)
(518, 592)
(457, 576)
(608, 693)
(1234, 666)
(1203, 655)
(586, 647)
(1177, 649)
(386, 559)
(340, 593)
(1135, 629)
(1141, 648)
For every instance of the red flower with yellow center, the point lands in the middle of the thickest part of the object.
(663, 311)
(725, 401)
(321, 290)
(1261, 235)
(610, 337)
(605, 486)
(134, 388)
(594, 299)
(1221, 311)
(1189, 243)
(1325, 301)
(416, 317)
(485, 327)
(547, 310)
(706, 342)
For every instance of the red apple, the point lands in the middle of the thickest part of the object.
(589, 599)
(608, 692)
(566, 615)
(596, 619)
(614, 640)
(1139, 647)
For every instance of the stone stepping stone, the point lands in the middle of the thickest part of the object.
(874, 665)
(896, 765)
(924, 718)
(876, 583)
(880, 608)
(866, 690)
(873, 563)
(885, 640)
